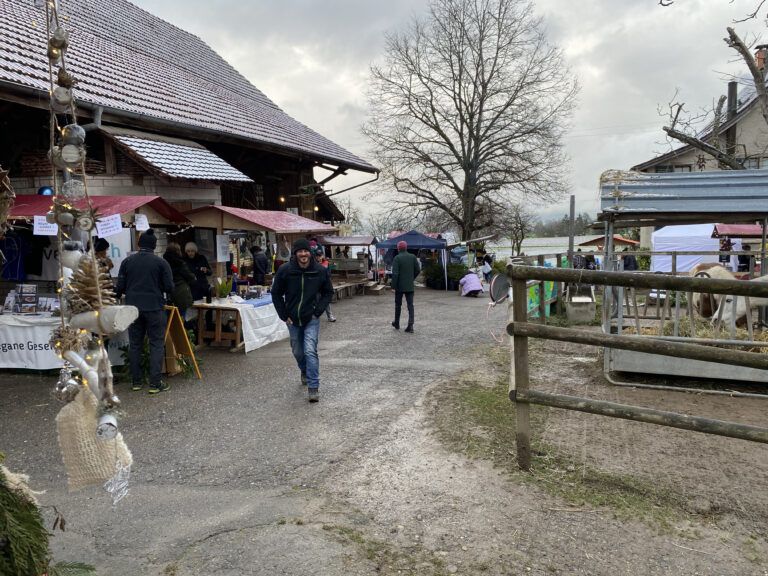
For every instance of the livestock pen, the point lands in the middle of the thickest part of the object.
(657, 200)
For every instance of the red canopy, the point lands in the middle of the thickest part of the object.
(278, 221)
(29, 205)
(737, 231)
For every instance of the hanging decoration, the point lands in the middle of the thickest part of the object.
(92, 448)
(6, 199)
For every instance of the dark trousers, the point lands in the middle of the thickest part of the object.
(151, 323)
(399, 306)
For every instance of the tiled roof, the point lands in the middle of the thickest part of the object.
(178, 160)
(130, 61)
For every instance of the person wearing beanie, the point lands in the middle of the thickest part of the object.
(405, 268)
(144, 279)
(100, 247)
(301, 291)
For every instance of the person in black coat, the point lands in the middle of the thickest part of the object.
(260, 264)
(145, 278)
(198, 265)
(183, 278)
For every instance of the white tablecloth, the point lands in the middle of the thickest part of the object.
(24, 343)
(260, 323)
(261, 326)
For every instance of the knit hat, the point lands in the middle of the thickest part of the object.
(302, 244)
(100, 244)
(319, 251)
(402, 245)
(148, 240)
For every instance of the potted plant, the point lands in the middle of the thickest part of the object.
(223, 288)
(433, 275)
(456, 272)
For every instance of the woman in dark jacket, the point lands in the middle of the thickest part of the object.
(198, 265)
(182, 278)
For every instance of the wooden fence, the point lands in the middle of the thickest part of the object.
(520, 330)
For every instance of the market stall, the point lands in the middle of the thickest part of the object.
(355, 266)
(279, 229)
(128, 214)
(25, 333)
(253, 323)
(417, 241)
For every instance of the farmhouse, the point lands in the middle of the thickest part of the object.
(165, 116)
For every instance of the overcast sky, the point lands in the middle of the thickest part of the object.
(312, 58)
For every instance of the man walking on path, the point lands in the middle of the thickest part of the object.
(294, 295)
(144, 278)
(405, 268)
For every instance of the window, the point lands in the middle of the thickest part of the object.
(752, 163)
(668, 168)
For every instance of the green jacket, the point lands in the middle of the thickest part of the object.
(405, 268)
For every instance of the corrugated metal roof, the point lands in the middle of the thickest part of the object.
(128, 60)
(273, 220)
(178, 160)
(29, 205)
(737, 231)
(718, 195)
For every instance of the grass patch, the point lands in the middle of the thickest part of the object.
(479, 421)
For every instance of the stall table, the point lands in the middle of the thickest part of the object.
(24, 342)
(256, 324)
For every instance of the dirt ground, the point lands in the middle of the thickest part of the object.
(468, 517)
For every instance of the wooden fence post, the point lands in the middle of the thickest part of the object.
(520, 376)
(559, 287)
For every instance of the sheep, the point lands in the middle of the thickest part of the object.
(706, 304)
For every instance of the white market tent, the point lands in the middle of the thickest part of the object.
(685, 238)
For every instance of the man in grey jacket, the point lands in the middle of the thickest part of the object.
(405, 268)
(144, 278)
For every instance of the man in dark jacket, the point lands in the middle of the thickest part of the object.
(260, 264)
(405, 268)
(144, 278)
(294, 294)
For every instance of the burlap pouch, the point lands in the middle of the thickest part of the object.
(88, 459)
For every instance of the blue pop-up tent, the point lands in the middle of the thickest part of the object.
(417, 241)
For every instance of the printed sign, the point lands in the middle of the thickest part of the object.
(109, 226)
(141, 222)
(222, 248)
(44, 228)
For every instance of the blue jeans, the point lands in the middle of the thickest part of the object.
(151, 323)
(304, 348)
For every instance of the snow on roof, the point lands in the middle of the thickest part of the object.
(179, 160)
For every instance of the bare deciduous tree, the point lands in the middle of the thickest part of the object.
(682, 129)
(469, 109)
(351, 214)
(514, 222)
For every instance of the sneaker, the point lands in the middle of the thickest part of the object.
(332, 319)
(303, 378)
(395, 325)
(137, 386)
(159, 387)
(313, 394)
(409, 329)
